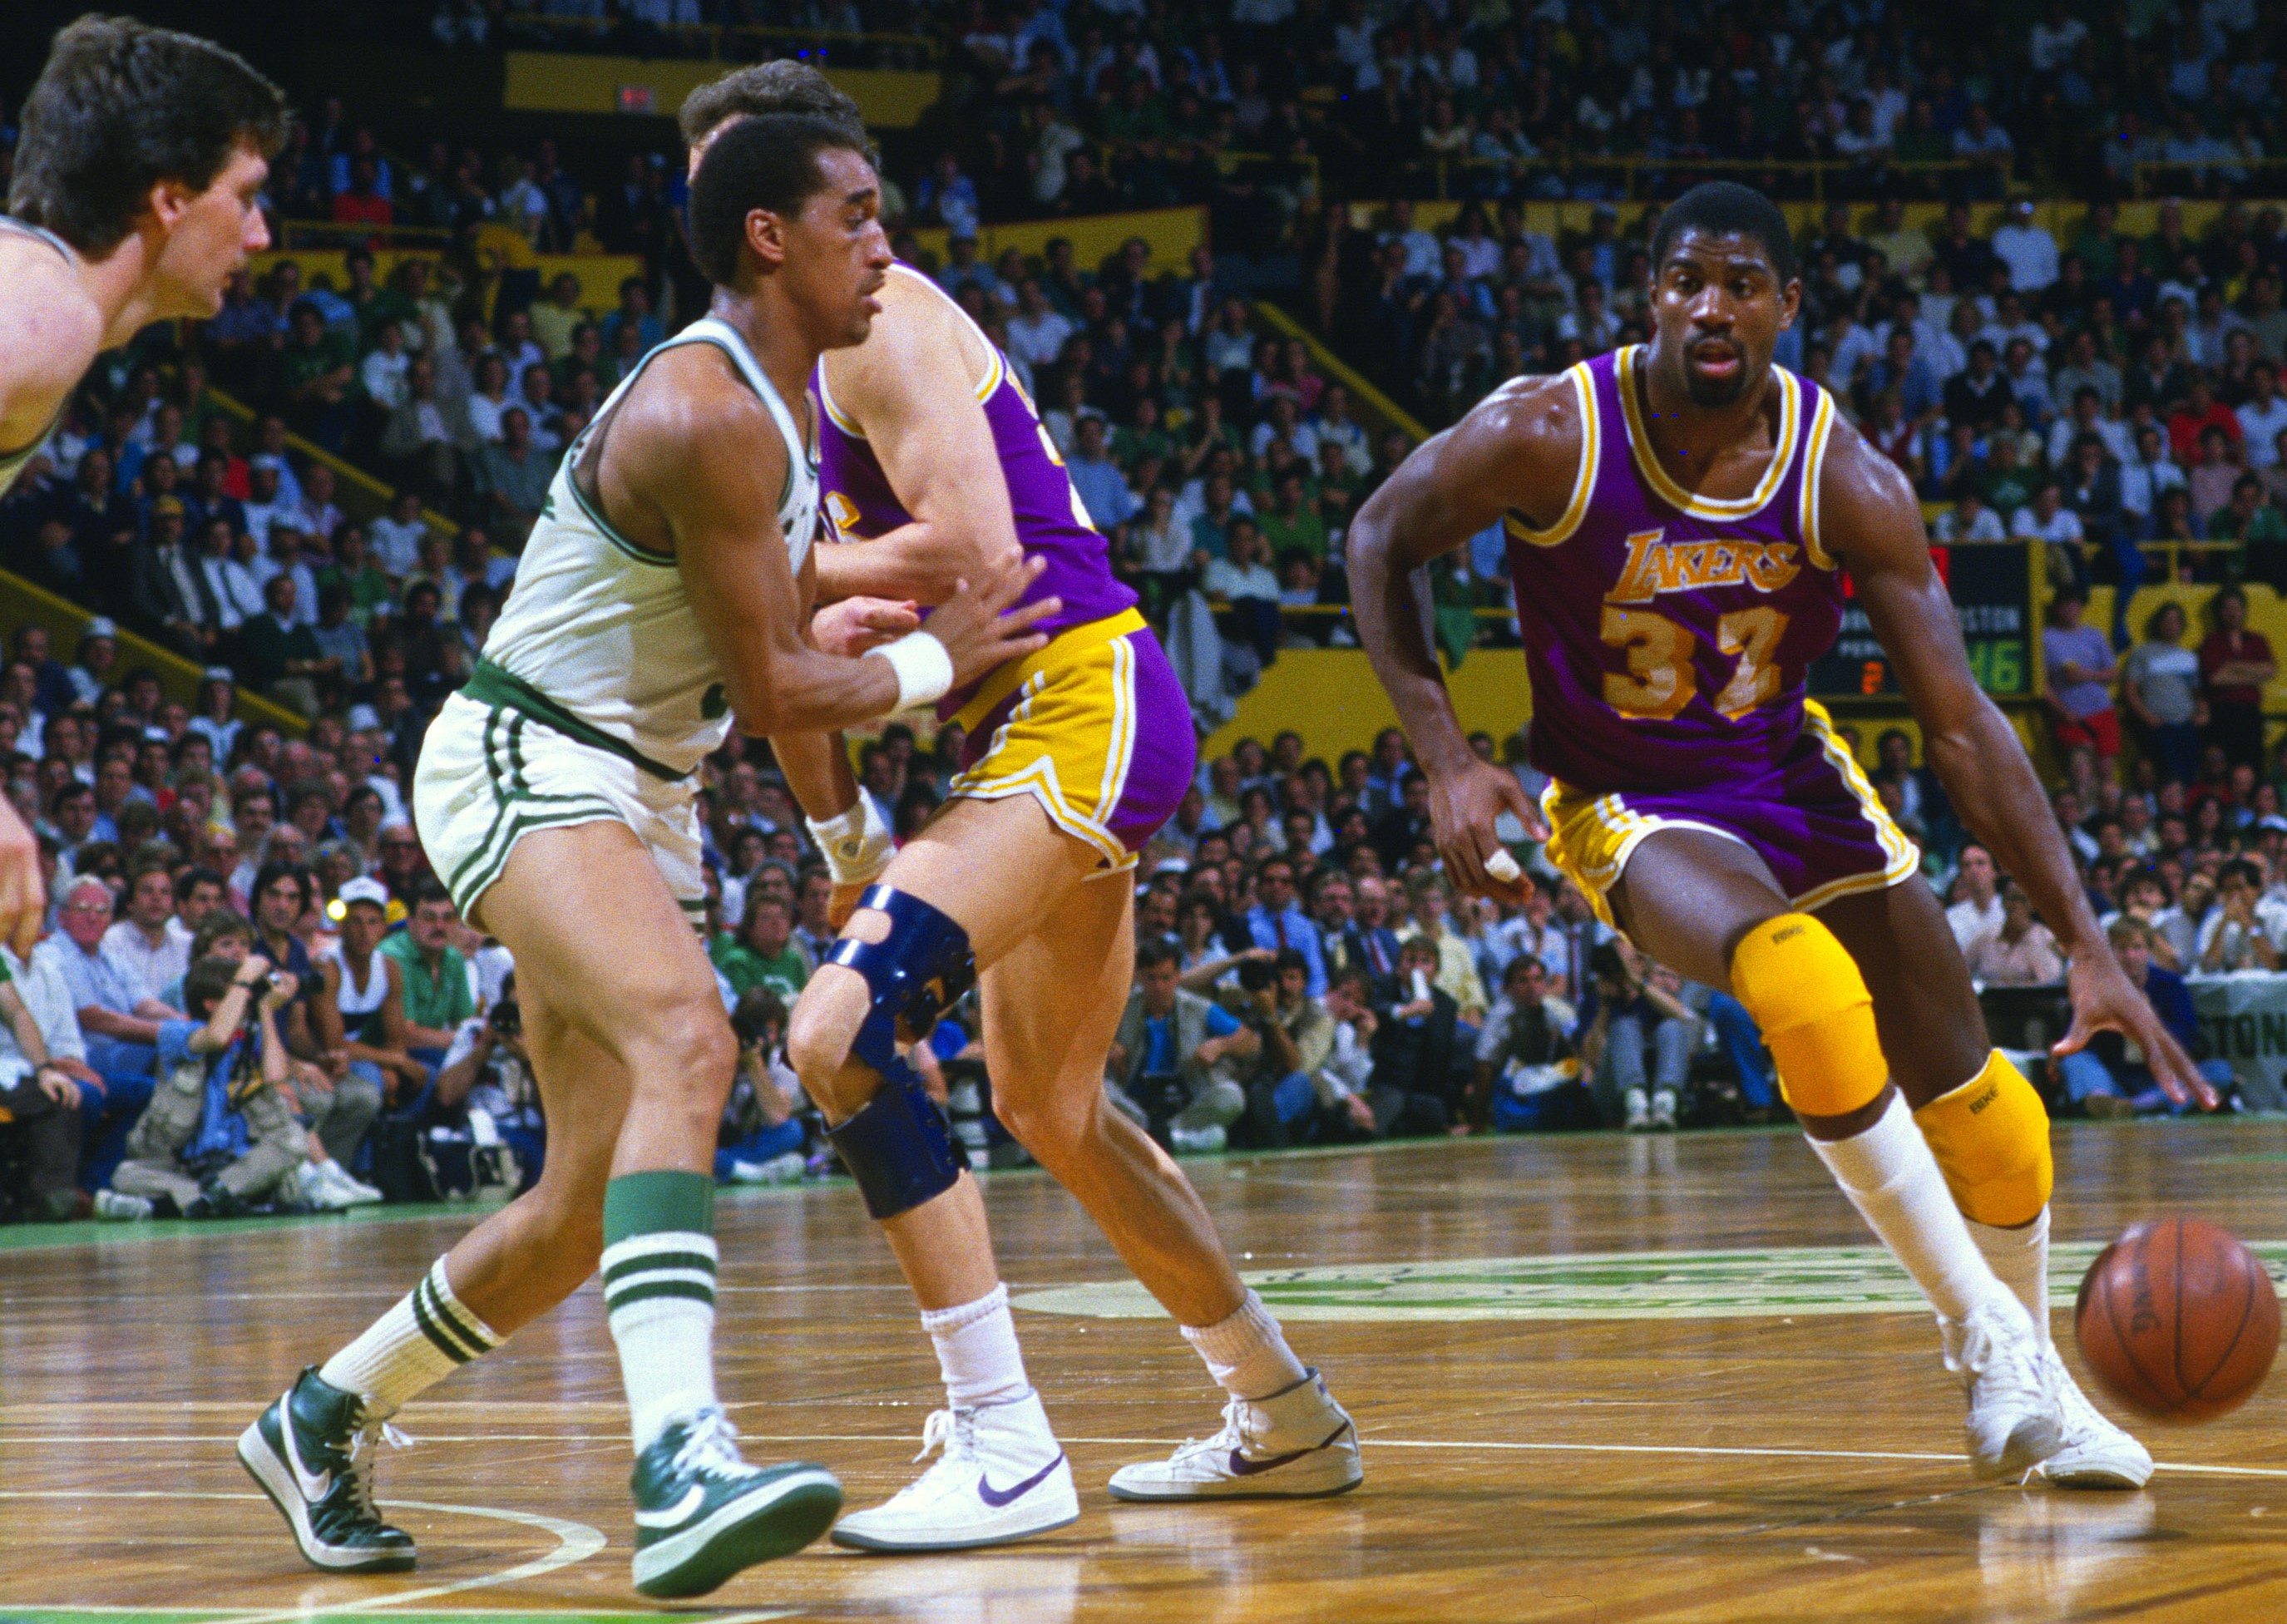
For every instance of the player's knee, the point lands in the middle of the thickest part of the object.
(823, 1023)
(1055, 1127)
(1805, 994)
(1990, 1136)
(682, 1060)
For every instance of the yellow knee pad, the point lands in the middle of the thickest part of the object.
(1805, 992)
(1990, 1136)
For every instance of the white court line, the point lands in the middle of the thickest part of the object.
(1366, 1440)
(575, 1542)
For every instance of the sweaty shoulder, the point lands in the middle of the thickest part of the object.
(1866, 503)
(1524, 440)
(50, 334)
(690, 435)
(920, 338)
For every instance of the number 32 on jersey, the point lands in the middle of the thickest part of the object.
(1661, 676)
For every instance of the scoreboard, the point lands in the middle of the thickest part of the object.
(1991, 584)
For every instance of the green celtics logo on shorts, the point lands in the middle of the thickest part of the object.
(1590, 1285)
(713, 702)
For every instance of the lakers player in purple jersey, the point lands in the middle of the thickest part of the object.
(137, 178)
(1678, 518)
(934, 463)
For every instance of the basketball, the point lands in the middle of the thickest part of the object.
(2177, 1321)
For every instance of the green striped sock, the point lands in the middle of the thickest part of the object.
(428, 1335)
(659, 1293)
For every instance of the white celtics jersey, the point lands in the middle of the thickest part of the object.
(13, 462)
(597, 635)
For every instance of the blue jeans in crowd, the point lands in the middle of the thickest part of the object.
(2085, 1075)
(758, 1146)
(129, 1072)
(1743, 1042)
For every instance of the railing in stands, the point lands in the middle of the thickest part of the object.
(362, 495)
(1394, 180)
(726, 42)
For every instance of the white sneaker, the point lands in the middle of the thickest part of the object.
(1639, 1111)
(2095, 1455)
(1663, 1110)
(319, 1192)
(1002, 1477)
(2016, 1417)
(1293, 1445)
(354, 1192)
(1196, 1141)
(785, 1170)
(110, 1205)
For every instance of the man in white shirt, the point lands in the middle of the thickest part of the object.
(1969, 521)
(2262, 416)
(382, 371)
(2047, 519)
(1037, 332)
(1422, 255)
(151, 942)
(393, 541)
(2054, 39)
(2026, 247)
(1977, 913)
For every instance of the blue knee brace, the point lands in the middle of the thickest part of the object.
(897, 1147)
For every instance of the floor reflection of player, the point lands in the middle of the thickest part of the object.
(933, 455)
(137, 191)
(1670, 605)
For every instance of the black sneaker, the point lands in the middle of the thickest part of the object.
(311, 1452)
(703, 1513)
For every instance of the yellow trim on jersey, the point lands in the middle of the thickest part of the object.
(825, 400)
(1069, 742)
(1667, 489)
(1061, 649)
(1592, 836)
(1584, 482)
(1905, 857)
(1822, 430)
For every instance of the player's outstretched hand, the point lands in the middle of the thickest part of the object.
(1463, 808)
(2105, 1000)
(855, 625)
(975, 631)
(23, 899)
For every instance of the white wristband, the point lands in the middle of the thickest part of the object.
(924, 670)
(857, 844)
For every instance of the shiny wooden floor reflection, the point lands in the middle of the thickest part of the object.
(1771, 1466)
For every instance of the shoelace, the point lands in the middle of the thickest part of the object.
(711, 1446)
(1233, 1436)
(357, 1462)
(954, 1431)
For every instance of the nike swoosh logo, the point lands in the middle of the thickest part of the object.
(313, 1485)
(997, 1498)
(1241, 1467)
(680, 1511)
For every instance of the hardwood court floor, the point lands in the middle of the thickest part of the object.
(1766, 1435)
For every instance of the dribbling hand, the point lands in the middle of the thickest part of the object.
(1463, 808)
(2105, 1000)
(971, 625)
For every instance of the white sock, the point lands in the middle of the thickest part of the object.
(1893, 1180)
(659, 1290)
(426, 1337)
(976, 1351)
(2020, 1260)
(1246, 1352)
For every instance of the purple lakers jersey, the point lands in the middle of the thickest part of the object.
(1051, 522)
(1666, 634)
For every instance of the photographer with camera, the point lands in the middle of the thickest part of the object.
(486, 1085)
(1171, 1068)
(337, 1105)
(1296, 1035)
(218, 1135)
(762, 1133)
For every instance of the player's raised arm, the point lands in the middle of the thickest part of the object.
(1519, 449)
(1875, 525)
(911, 385)
(706, 459)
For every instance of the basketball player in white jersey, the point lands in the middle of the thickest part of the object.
(662, 599)
(936, 462)
(140, 166)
